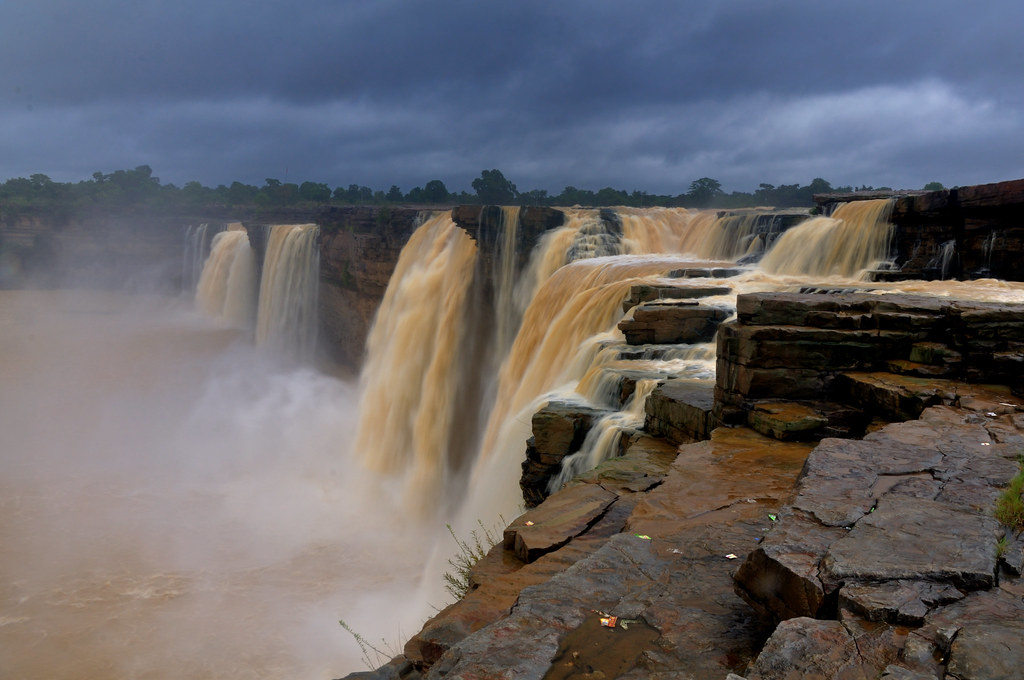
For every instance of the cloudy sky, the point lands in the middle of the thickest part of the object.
(643, 94)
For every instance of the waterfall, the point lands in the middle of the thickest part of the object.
(853, 239)
(411, 377)
(197, 249)
(506, 311)
(947, 251)
(417, 423)
(226, 288)
(287, 314)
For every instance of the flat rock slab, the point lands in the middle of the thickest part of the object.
(805, 649)
(979, 637)
(560, 518)
(647, 292)
(895, 522)
(905, 397)
(987, 652)
(786, 420)
(706, 272)
(901, 602)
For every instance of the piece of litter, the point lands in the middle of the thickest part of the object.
(985, 444)
(773, 518)
(676, 551)
(730, 556)
(643, 536)
(992, 414)
(609, 621)
(529, 523)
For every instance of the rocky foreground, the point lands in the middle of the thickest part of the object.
(836, 520)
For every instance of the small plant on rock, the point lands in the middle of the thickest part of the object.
(456, 581)
(1010, 503)
(373, 656)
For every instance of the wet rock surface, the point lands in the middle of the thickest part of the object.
(656, 546)
(754, 554)
(676, 322)
(843, 347)
(680, 410)
(559, 429)
(895, 530)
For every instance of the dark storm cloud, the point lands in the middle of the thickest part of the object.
(649, 95)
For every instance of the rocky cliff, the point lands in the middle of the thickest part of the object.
(129, 252)
(968, 232)
(766, 550)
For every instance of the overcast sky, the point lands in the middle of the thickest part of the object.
(645, 95)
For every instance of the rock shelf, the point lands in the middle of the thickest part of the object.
(745, 542)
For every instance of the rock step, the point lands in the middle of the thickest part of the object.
(706, 272)
(559, 429)
(904, 397)
(786, 420)
(678, 323)
(646, 292)
(680, 410)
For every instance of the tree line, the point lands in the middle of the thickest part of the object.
(139, 189)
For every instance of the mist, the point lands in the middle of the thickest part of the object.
(178, 503)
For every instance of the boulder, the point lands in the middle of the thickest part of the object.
(680, 410)
(808, 648)
(559, 429)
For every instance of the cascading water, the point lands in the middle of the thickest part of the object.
(947, 252)
(286, 319)
(602, 442)
(853, 239)
(411, 375)
(197, 249)
(227, 286)
(201, 510)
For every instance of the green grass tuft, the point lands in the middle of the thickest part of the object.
(1010, 503)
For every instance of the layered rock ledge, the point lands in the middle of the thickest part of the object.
(762, 552)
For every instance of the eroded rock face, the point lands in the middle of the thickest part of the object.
(559, 430)
(841, 347)
(980, 225)
(359, 248)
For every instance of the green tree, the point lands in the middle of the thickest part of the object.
(534, 197)
(703, 192)
(493, 189)
(934, 186)
(819, 186)
(435, 191)
(394, 194)
(416, 195)
(314, 192)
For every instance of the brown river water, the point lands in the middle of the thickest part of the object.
(174, 503)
